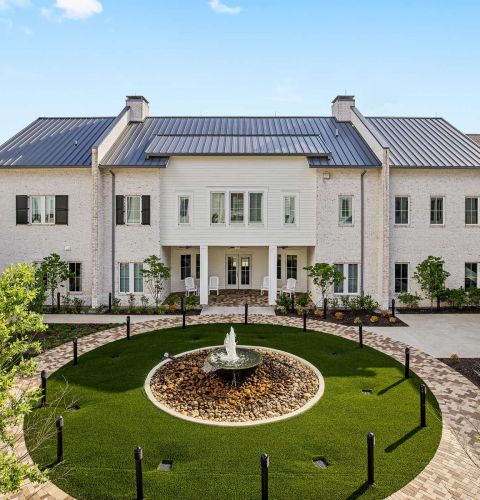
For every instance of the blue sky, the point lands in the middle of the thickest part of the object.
(252, 57)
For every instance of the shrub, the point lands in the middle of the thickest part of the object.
(281, 309)
(191, 302)
(456, 297)
(318, 312)
(392, 319)
(116, 305)
(302, 299)
(333, 303)
(100, 309)
(355, 304)
(131, 302)
(339, 315)
(346, 300)
(368, 304)
(410, 299)
(455, 358)
(77, 305)
(473, 296)
(162, 309)
(373, 319)
(301, 310)
(357, 320)
(384, 313)
(66, 304)
(283, 300)
(144, 300)
(431, 276)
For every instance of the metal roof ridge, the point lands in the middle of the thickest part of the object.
(238, 116)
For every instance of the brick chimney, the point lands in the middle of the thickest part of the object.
(341, 107)
(139, 108)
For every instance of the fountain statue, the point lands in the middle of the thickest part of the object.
(230, 345)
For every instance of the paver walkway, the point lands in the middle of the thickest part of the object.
(450, 474)
(222, 310)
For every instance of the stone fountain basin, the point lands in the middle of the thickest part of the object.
(247, 359)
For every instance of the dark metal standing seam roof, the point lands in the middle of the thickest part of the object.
(54, 142)
(426, 142)
(139, 143)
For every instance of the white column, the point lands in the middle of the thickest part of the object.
(203, 274)
(272, 274)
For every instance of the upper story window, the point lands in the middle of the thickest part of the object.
(255, 202)
(237, 207)
(44, 209)
(184, 209)
(349, 285)
(345, 215)
(131, 277)
(471, 275)
(401, 278)
(217, 208)
(132, 210)
(437, 210)
(402, 210)
(75, 280)
(471, 210)
(289, 209)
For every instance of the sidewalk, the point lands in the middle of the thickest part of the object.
(100, 319)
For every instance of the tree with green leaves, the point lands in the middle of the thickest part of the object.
(54, 271)
(324, 276)
(17, 292)
(155, 274)
(431, 276)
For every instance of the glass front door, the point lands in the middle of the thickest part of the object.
(238, 271)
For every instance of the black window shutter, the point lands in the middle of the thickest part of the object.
(119, 212)
(21, 205)
(61, 209)
(146, 210)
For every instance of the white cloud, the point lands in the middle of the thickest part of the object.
(221, 8)
(79, 9)
(45, 12)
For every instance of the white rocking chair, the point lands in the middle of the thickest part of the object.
(290, 286)
(213, 284)
(265, 285)
(190, 287)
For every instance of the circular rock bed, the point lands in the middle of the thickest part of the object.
(280, 386)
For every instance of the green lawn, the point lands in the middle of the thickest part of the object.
(223, 463)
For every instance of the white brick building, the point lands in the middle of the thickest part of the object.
(242, 198)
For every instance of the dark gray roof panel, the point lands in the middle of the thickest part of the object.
(54, 142)
(305, 136)
(426, 142)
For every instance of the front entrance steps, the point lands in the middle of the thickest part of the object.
(220, 310)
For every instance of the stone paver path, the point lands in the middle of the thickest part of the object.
(450, 474)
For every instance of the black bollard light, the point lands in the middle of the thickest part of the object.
(110, 302)
(264, 463)
(305, 320)
(407, 362)
(138, 454)
(246, 314)
(43, 377)
(58, 301)
(423, 397)
(370, 457)
(128, 327)
(325, 302)
(182, 303)
(360, 335)
(393, 307)
(293, 303)
(75, 351)
(183, 317)
(59, 439)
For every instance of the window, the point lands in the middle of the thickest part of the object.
(217, 208)
(401, 278)
(436, 210)
(185, 266)
(345, 210)
(401, 210)
(131, 277)
(471, 210)
(134, 209)
(43, 209)
(184, 209)
(279, 267)
(197, 266)
(255, 207)
(291, 266)
(471, 275)
(75, 281)
(236, 207)
(289, 209)
(350, 281)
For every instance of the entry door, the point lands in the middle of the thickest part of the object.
(238, 271)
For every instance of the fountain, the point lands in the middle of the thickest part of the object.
(232, 362)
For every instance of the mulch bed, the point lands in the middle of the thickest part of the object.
(442, 310)
(468, 367)
(348, 319)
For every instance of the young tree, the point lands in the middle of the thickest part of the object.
(54, 271)
(17, 291)
(324, 276)
(155, 274)
(431, 276)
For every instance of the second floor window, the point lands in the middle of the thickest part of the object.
(471, 210)
(289, 209)
(255, 207)
(236, 207)
(43, 209)
(184, 209)
(345, 210)
(436, 210)
(217, 208)
(401, 210)
(134, 209)
(185, 266)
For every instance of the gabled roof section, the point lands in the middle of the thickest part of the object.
(54, 142)
(426, 142)
(339, 143)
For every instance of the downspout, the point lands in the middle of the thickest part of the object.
(362, 231)
(113, 232)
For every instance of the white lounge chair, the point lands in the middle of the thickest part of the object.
(290, 286)
(190, 287)
(265, 285)
(213, 284)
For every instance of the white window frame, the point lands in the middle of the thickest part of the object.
(262, 209)
(346, 277)
(395, 279)
(340, 222)
(73, 292)
(478, 273)
(225, 208)
(395, 211)
(444, 210)
(245, 208)
(125, 208)
(43, 209)
(190, 208)
(478, 211)
(295, 196)
(131, 279)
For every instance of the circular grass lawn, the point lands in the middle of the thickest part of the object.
(212, 462)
